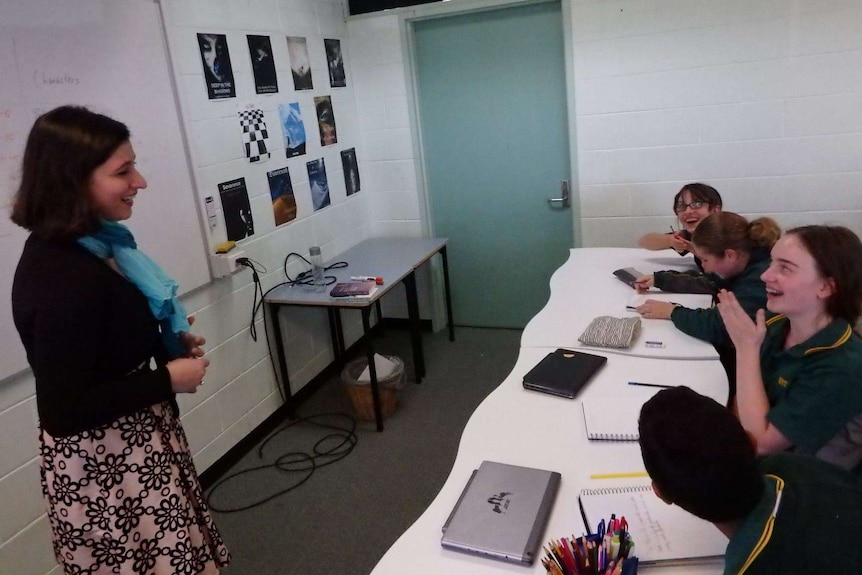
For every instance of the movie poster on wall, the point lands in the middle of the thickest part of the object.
(335, 63)
(292, 128)
(300, 67)
(318, 183)
(218, 72)
(262, 64)
(325, 120)
(351, 171)
(236, 209)
(281, 193)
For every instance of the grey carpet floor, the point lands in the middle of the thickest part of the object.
(345, 516)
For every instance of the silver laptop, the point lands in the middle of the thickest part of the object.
(502, 512)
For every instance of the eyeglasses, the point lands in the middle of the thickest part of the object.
(680, 208)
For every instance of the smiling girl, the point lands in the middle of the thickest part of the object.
(692, 204)
(799, 373)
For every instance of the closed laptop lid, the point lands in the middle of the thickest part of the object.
(503, 512)
(563, 372)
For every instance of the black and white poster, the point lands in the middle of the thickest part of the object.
(262, 64)
(325, 120)
(218, 72)
(281, 193)
(300, 67)
(318, 183)
(254, 134)
(236, 209)
(335, 62)
(351, 171)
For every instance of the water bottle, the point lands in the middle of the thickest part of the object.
(317, 278)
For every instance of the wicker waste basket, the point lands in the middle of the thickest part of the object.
(360, 391)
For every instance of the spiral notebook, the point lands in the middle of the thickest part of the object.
(662, 533)
(611, 418)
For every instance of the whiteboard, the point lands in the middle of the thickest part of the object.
(111, 56)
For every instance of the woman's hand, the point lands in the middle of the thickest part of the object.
(643, 283)
(187, 373)
(191, 342)
(744, 333)
(654, 309)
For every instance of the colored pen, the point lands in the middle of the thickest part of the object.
(618, 476)
(651, 384)
(363, 278)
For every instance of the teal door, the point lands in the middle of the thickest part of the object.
(492, 108)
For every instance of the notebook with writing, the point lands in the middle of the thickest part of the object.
(502, 512)
(612, 418)
(662, 533)
(563, 372)
(357, 289)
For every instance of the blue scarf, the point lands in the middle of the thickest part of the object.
(116, 240)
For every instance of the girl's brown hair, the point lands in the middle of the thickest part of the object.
(729, 231)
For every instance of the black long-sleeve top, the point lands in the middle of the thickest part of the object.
(86, 330)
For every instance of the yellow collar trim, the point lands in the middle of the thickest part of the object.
(767, 528)
(841, 341)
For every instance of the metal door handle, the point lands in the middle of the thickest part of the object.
(564, 192)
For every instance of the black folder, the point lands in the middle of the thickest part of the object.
(563, 372)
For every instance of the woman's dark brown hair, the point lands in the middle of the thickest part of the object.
(838, 254)
(63, 149)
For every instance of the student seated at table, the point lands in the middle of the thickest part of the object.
(799, 373)
(783, 514)
(736, 252)
(691, 204)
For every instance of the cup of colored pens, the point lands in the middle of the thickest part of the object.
(611, 554)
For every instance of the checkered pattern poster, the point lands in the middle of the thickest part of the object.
(254, 134)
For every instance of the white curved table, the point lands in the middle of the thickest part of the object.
(513, 425)
(584, 288)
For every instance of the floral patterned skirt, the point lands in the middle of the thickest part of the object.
(125, 498)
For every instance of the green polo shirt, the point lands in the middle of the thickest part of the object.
(706, 323)
(818, 510)
(815, 387)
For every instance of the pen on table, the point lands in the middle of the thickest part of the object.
(619, 476)
(650, 384)
(363, 278)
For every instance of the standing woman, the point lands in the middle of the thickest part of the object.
(109, 347)
(799, 374)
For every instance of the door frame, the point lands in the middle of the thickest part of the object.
(406, 18)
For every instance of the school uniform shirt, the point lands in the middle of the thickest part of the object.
(817, 509)
(815, 390)
(750, 291)
(687, 281)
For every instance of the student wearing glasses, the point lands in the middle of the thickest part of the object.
(799, 372)
(692, 204)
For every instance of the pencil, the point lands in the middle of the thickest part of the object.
(619, 475)
(650, 384)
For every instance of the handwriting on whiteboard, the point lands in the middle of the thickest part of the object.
(41, 78)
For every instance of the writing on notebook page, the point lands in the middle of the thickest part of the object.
(651, 535)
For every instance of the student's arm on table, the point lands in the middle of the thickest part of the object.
(751, 402)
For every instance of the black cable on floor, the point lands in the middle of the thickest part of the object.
(329, 449)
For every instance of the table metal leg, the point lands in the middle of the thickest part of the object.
(448, 293)
(282, 360)
(372, 369)
(415, 330)
(336, 334)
